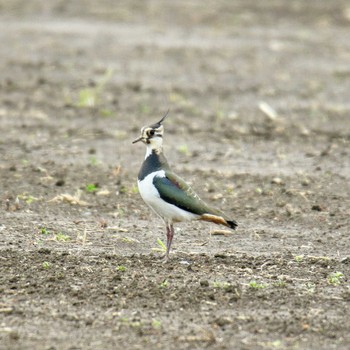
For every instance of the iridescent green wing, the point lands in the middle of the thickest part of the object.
(175, 190)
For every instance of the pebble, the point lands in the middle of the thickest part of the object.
(204, 283)
(305, 182)
(318, 207)
(277, 181)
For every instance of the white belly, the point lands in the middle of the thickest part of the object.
(169, 212)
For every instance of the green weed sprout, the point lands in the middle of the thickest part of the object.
(91, 188)
(256, 285)
(121, 268)
(89, 97)
(164, 284)
(46, 264)
(161, 246)
(335, 278)
(61, 237)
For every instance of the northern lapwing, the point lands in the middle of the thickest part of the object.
(167, 194)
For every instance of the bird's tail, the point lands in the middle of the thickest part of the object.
(219, 220)
(232, 223)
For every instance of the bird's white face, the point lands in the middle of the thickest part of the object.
(152, 135)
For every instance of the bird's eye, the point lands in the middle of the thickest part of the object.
(151, 132)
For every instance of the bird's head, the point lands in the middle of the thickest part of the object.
(153, 134)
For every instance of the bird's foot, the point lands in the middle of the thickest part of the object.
(166, 259)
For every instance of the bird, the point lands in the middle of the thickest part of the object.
(167, 194)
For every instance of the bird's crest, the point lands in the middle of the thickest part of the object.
(152, 131)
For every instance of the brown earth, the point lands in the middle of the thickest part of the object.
(259, 125)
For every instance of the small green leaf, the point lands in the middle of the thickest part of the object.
(256, 285)
(161, 244)
(164, 284)
(93, 160)
(335, 278)
(299, 258)
(91, 188)
(184, 150)
(46, 264)
(221, 285)
(61, 237)
(44, 231)
(134, 189)
(156, 324)
(105, 112)
(87, 98)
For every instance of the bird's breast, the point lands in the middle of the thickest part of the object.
(147, 189)
(151, 196)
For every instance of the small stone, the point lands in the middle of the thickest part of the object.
(14, 335)
(277, 181)
(45, 251)
(204, 283)
(6, 310)
(305, 182)
(223, 321)
(103, 193)
(184, 262)
(304, 131)
(318, 207)
(59, 182)
(291, 210)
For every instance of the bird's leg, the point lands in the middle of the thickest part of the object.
(169, 236)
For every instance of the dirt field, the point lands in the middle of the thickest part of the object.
(259, 125)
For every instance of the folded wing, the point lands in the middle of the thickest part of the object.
(176, 191)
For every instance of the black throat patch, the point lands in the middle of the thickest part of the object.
(152, 163)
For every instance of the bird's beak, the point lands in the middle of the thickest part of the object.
(138, 139)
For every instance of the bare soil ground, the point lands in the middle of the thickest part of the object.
(259, 125)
